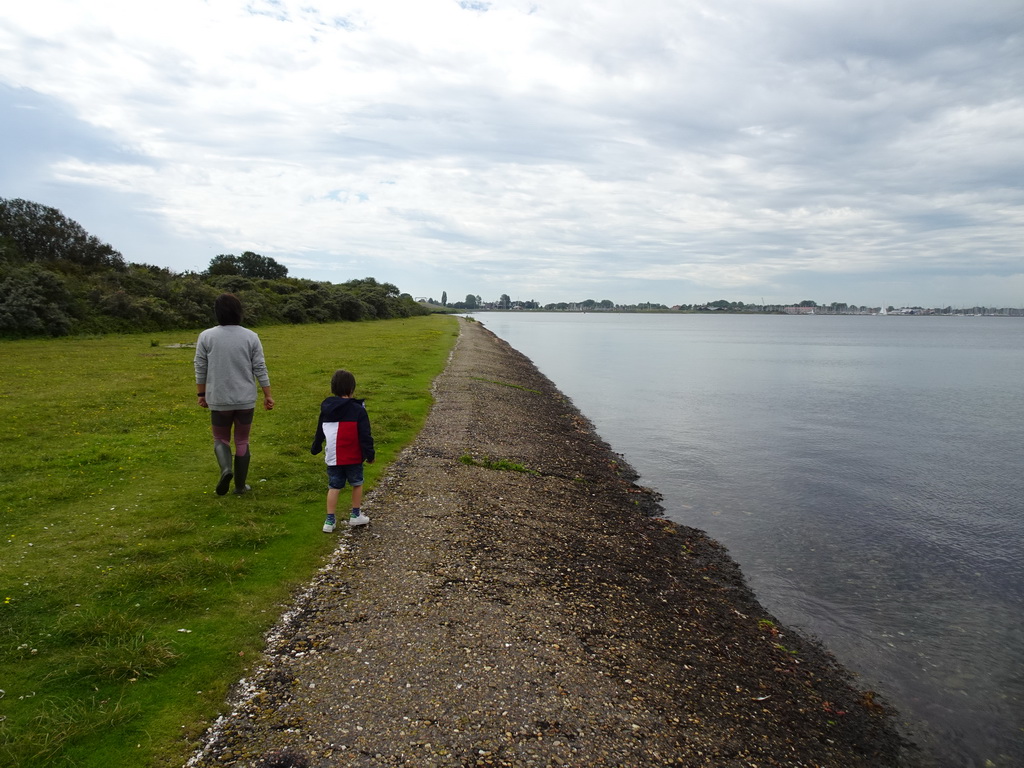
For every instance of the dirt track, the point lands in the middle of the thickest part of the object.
(535, 618)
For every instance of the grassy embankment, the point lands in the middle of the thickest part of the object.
(131, 595)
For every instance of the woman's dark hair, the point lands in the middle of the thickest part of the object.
(228, 309)
(343, 383)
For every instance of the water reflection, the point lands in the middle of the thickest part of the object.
(865, 472)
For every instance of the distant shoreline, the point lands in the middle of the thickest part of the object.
(1008, 312)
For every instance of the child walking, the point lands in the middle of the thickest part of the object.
(345, 427)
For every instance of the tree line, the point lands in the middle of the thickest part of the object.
(56, 279)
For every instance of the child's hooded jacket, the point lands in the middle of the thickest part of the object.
(345, 427)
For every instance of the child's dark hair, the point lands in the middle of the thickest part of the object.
(228, 309)
(343, 383)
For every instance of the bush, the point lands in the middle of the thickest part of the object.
(56, 279)
(34, 301)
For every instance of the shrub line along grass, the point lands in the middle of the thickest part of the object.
(131, 596)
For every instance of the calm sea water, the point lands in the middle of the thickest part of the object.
(866, 472)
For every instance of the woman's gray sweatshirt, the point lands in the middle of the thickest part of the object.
(228, 360)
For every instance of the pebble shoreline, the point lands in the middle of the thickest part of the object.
(517, 601)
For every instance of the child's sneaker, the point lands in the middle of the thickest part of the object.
(359, 519)
(329, 524)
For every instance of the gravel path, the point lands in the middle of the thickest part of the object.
(497, 617)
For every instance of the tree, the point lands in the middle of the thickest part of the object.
(444, 298)
(254, 265)
(249, 264)
(505, 301)
(224, 264)
(40, 234)
(471, 302)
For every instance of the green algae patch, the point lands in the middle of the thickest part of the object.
(500, 464)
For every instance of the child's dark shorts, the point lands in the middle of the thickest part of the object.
(336, 476)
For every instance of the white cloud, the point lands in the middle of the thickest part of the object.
(682, 148)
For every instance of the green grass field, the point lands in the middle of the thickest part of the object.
(132, 596)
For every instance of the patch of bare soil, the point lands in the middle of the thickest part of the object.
(517, 601)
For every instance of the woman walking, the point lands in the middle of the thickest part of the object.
(229, 361)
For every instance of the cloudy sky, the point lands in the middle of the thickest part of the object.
(674, 151)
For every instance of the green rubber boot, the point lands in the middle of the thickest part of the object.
(224, 459)
(241, 472)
